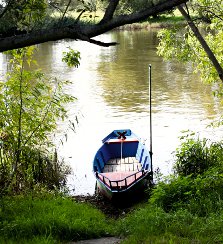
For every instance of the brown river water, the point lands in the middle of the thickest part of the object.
(111, 87)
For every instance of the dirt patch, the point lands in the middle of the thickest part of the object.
(113, 209)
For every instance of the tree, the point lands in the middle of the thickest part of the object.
(205, 50)
(30, 105)
(28, 27)
(202, 41)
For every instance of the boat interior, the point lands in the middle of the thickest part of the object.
(120, 163)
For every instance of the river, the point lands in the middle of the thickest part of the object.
(111, 87)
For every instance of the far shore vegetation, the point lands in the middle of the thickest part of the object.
(160, 21)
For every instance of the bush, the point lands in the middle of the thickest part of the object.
(173, 195)
(39, 168)
(31, 105)
(201, 196)
(198, 180)
(195, 156)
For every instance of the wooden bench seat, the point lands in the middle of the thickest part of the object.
(116, 140)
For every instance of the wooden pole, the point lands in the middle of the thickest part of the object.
(150, 116)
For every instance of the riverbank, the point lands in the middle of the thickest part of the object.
(158, 23)
(185, 208)
(114, 210)
(51, 218)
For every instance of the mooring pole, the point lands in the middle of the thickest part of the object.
(150, 118)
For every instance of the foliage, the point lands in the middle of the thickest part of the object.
(183, 209)
(181, 43)
(31, 105)
(197, 183)
(152, 225)
(71, 58)
(86, 9)
(174, 194)
(195, 156)
(135, 5)
(126, 6)
(25, 14)
(208, 10)
(200, 196)
(49, 216)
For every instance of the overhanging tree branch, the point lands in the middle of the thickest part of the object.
(99, 43)
(202, 41)
(79, 31)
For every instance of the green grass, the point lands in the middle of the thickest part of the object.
(183, 209)
(49, 219)
(153, 225)
(167, 18)
(188, 206)
(53, 218)
(164, 20)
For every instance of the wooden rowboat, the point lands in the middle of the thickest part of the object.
(122, 165)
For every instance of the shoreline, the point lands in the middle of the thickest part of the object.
(111, 209)
(148, 26)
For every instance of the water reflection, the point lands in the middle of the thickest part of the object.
(111, 85)
(173, 84)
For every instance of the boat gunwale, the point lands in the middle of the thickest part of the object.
(125, 187)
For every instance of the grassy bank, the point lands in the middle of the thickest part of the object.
(153, 225)
(187, 207)
(49, 218)
(57, 219)
(162, 21)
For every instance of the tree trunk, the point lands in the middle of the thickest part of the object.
(202, 41)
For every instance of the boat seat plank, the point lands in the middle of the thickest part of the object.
(127, 160)
(116, 140)
(122, 168)
(125, 165)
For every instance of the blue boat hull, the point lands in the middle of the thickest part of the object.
(112, 159)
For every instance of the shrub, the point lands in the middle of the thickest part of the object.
(173, 195)
(31, 105)
(198, 180)
(195, 156)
